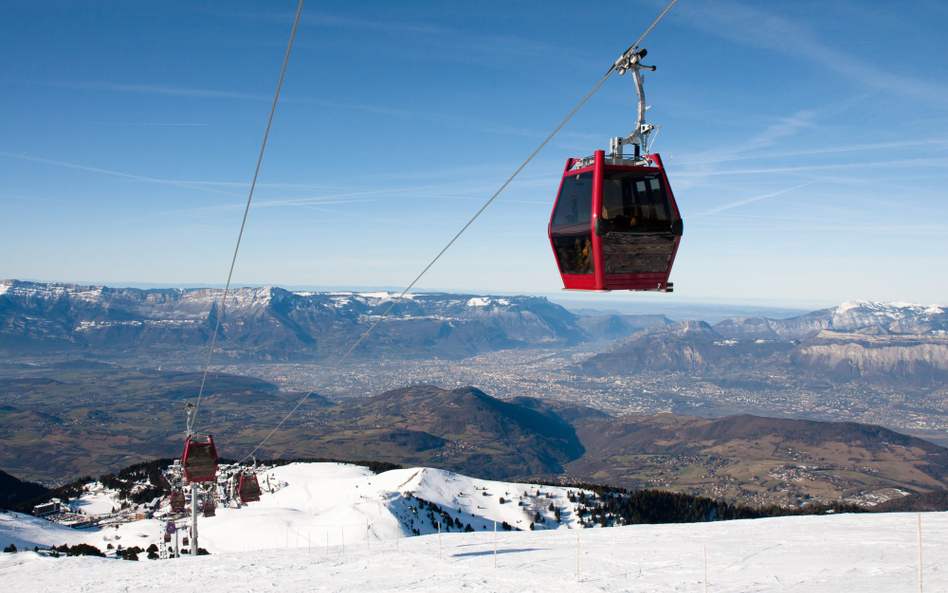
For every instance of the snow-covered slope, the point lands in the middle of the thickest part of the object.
(823, 554)
(312, 503)
(306, 504)
(334, 527)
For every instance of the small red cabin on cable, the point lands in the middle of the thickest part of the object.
(615, 224)
(177, 500)
(210, 507)
(199, 459)
(248, 488)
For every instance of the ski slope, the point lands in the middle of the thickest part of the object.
(305, 504)
(332, 527)
(865, 553)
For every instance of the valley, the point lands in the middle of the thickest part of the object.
(95, 378)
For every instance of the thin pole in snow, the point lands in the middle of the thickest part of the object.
(439, 540)
(577, 554)
(918, 520)
(704, 550)
(194, 520)
(495, 544)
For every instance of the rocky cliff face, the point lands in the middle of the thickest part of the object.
(689, 346)
(894, 342)
(916, 358)
(900, 318)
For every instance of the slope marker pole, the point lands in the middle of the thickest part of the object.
(918, 520)
(439, 540)
(577, 554)
(704, 550)
(194, 520)
(495, 544)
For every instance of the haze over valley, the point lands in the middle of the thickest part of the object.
(104, 373)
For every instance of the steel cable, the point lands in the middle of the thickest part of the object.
(220, 311)
(395, 301)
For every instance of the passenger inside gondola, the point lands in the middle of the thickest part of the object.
(570, 227)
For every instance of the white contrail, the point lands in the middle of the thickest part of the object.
(749, 200)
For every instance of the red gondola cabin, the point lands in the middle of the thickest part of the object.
(199, 459)
(248, 488)
(177, 500)
(615, 224)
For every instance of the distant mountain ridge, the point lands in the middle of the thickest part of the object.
(891, 317)
(899, 342)
(275, 324)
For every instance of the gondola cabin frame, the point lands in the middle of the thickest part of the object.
(596, 252)
(248, 487)
(199, 459)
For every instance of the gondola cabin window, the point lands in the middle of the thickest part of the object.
(635, 201)
(570, 228)
(639, 237)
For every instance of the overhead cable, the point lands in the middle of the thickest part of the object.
(397, 299)
(192, 416)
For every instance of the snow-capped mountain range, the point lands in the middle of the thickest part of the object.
(273, 323)
(857, 339)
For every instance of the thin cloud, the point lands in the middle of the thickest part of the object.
(749, 201)
(130, 123)
(35, 159)
(154, 90)
(176, 91)
(813, 151)
(890, 164)
(785, 127)
(371, 25)
(755, 27)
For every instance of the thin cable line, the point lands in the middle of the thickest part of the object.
(220, 312)
(451, 242)
(660, 17)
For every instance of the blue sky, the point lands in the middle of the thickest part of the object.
(807, 142)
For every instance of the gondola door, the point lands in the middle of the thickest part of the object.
(639, 227)
(570, 228)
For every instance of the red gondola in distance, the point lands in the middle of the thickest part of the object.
(177, 500)
(199, 459)
(615, 224)
(248, 488)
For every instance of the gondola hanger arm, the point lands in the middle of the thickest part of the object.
(631, 61)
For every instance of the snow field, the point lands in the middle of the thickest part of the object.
(865, 553)
(312, 503)
(333, 527)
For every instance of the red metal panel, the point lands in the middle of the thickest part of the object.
(598, 267)
(570, 281)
